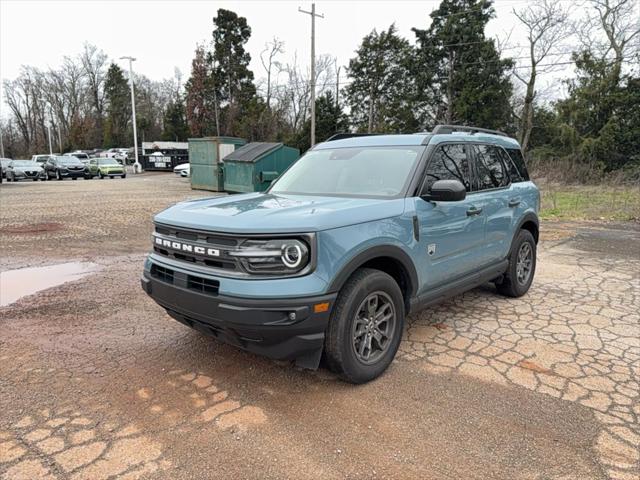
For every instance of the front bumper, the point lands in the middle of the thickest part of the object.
(286, 329)
(72, 173)
(113, 173)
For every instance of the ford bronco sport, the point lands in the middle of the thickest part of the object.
(351, 238)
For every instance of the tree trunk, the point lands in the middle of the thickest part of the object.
(526, 125)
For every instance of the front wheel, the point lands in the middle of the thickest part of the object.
(522, 266)
(100, 175)
(58, 176)
(366, 325)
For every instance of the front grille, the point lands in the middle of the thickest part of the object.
(203, 285)
(31, 174)
(161, 273)
(222, 243)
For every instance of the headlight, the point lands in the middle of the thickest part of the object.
(278, 256)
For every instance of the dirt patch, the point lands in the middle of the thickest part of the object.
(32, 228)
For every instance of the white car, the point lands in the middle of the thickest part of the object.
(184, 169)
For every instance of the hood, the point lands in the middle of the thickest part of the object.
(269, 213)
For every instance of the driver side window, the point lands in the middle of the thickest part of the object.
(448, 162)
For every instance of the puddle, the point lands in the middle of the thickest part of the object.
(15, 284)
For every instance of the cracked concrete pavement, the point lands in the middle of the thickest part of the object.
(97, 382)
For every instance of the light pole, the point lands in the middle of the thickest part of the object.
(49, 135)
(313, 68)
(136, 165)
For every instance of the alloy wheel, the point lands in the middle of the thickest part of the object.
(373, 327)
(524, 263)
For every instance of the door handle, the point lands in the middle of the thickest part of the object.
(514, 202)
(474, 211)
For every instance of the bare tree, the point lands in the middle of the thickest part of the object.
(94, 64)
(546, 24)
(618, 21)
(268, 59)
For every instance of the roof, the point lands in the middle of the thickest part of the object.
(252, 151)
(165, 145)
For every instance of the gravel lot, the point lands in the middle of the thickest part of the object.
(97, 382)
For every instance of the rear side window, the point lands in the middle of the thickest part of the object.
(490, 171)
(448, 162)
(517, 164)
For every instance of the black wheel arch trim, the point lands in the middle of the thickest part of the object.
(390, 251)
(528, 217)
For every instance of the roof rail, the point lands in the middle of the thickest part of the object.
(341, 136)
(461, 128)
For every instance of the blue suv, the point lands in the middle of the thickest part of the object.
(359, 232)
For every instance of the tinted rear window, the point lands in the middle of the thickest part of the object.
(518, 167)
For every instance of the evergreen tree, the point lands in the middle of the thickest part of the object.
(230, 65)
(460, 76)
(175, 125)
(381, 84)
(330, 119)
(201, 97)
(118, 101)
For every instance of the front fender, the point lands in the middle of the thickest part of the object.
(345, 249)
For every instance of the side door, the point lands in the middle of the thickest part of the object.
(451, 233)
(493, 192)
(50, 166)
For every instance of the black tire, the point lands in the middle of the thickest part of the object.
(124, 176)
(100, 175)
(35, 179)
(58, 176)
(513, 284)
(74, 178)
(340, 344)
(8, 177)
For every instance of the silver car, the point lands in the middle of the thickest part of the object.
(24, 170)
(4, 163)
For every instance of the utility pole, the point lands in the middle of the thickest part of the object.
(49, 135)
(337, 94)
(313, 68)
(1, 143)
(136, 165)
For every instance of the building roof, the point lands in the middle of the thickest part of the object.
(252, 151)
(165, 145)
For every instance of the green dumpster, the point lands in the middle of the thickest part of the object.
(206, 156)
(253, 167)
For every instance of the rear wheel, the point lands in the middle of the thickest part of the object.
(522, 266)
(366, 325)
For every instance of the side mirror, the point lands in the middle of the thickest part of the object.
(446, 191)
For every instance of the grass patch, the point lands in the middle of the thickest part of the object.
(590, 203)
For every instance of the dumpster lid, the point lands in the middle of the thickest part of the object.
(251, 151)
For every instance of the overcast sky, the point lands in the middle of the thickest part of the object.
(162, 34)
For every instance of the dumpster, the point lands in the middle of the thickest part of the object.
(206, 158)
(253, 167)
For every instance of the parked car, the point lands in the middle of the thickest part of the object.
(105, 167)
(41, 159)
(355, 235)
(61, 167)
(24, 170)
(184, 169)
(4, 163)
(83, 157)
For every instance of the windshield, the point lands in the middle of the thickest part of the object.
(361, 171)
(25, 163)
(108, 161)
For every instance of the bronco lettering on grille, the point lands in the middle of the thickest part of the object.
(185, 247)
